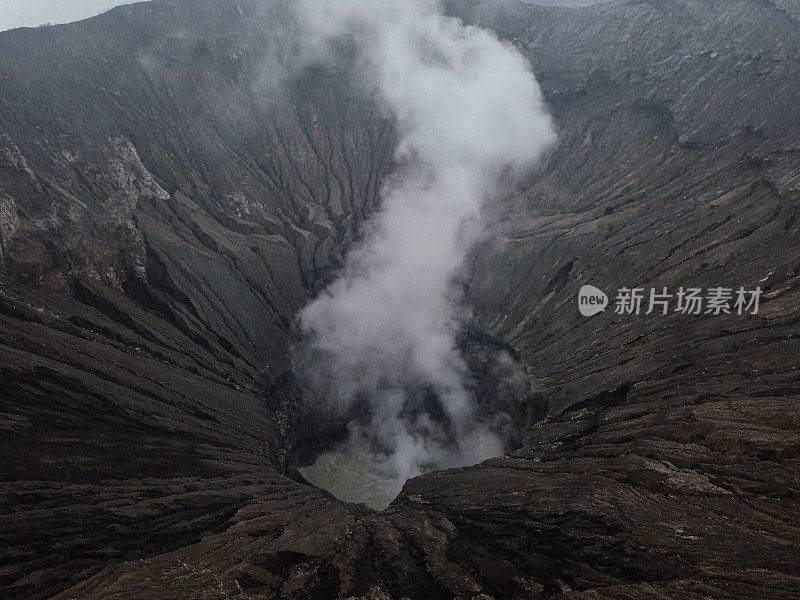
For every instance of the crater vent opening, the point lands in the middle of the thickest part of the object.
(317, 438)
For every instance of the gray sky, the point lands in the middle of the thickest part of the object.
(30, 13)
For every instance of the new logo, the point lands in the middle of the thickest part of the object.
(591, 301)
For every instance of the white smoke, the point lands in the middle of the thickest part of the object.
(469, 113)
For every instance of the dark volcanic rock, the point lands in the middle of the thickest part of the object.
(164, 213)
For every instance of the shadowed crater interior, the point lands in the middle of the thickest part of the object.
(315, 433)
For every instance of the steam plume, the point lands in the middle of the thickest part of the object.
(469, 112)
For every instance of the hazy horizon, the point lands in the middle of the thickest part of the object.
(22, 13)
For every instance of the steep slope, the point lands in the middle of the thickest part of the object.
(164, 213)
(164, 216)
